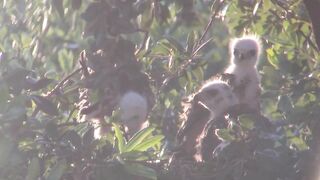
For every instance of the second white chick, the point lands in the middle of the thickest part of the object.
(216, 96)
(213, 100)
(242, 71)
(133, 111)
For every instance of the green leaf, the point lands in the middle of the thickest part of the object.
(33, 169)
(272, 78)
(120, 137)
(52, 130)
(247, 121)
(140, 170)
(25, 40)
(36, 85)
(45, 105)
(285, 104)
(299, 143)
(57, 170)
(138, 138)
(135, 155)
(65, 59)
(190, 42)
(224, 134)
(149, 143)
(272, 58)
(175, 44)
(198, 74)
(88, 137)
(147, 16)
(73, 138)
(16, 78)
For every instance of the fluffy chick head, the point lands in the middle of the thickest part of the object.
(133, 110)
(217, 96)
(245, 50)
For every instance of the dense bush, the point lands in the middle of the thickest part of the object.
(165, 48)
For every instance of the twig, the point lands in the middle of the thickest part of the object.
(71, 113)
(198, 46)
(83, 64)
(55, 89)
(146, 35)
(210, 22)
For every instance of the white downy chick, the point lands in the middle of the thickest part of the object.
(133, 111)
(244, 77)
(213, 100)
(217, 96)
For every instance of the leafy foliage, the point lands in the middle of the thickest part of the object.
(171, 46)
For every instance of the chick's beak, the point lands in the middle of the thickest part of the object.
(241, 56)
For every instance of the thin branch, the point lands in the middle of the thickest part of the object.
(56, 88)
(83, 63)
(60, 84)
(210, 23)
(198, 46)
(145, 39)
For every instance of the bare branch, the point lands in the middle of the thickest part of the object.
(220, 5)
(198, 46)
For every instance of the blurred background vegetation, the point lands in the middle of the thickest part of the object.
(40, 45)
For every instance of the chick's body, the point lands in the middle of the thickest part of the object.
(243, 73)
(213, 99)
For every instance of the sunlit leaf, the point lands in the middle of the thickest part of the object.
(285, 104)
(149, 143)
(65, 59)
(247, 121)
(272, 58)
(224, 134)
(138, 138)
(299, 143)
(25, 40)
(120, 137)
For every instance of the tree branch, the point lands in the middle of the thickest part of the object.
(198, 46)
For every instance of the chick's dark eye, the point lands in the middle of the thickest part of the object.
(212, 92)
(252, 53)
(236, 52)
